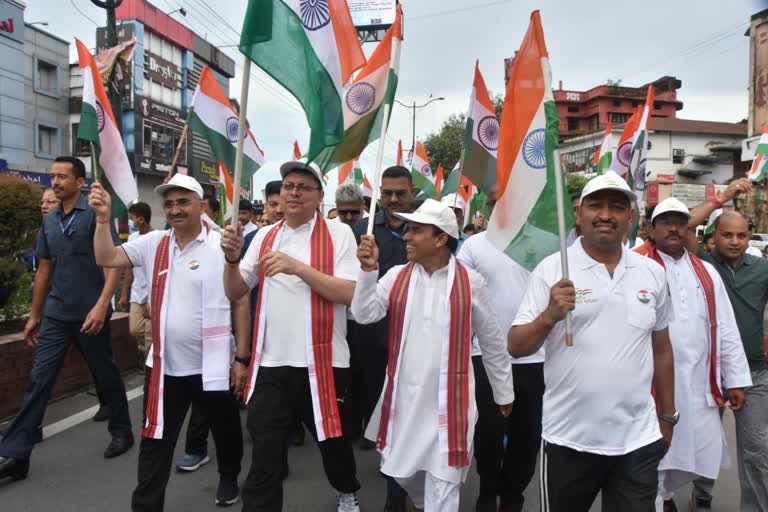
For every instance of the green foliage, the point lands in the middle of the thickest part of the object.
(18, 304)
(575, 183)
(444, 147)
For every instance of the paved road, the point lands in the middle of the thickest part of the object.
(69, 473)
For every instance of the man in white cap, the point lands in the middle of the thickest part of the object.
(505, 468)
(425, 418)
(600, 424)
(708, 352)
(191, 355)
(305, 269)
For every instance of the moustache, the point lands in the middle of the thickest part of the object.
(598, 223)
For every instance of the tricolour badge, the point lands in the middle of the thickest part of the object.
(644, 296)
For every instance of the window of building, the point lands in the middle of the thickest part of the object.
(619, 118)
(46, 141)
(656, 105)
(635, 104)
(46, 77)
(616, 103)
(678, 156)
(593, 122)
(160, 141)
(573, 124)
(79, 147)
(573, 109)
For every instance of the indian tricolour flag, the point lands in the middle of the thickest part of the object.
(311, 48)
(97, 125)
(212, 117)
(456, 182)
(620, 164)
(296, 150)
(524, 223)
(639, 153)
(439, 181)
(351, 172)
(367, 188)
(481, 136)
(364, 99)
(421, 172)
(604, 156)
(227, 189)
(760, 164)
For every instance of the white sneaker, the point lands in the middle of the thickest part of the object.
(346, 502)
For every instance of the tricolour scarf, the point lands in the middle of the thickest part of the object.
(215, 332)
(453, 399)
(708, 287)
(319, 330)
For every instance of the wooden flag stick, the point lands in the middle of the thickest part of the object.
(94, 162)
(240, 135)
(176, 154)
(561, 236)
(379, 162)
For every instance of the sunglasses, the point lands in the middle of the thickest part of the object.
(344, 213)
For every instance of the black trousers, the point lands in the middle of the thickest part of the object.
(570, 480)
(53, 341)
(197, 432)
(156, 455)
(281, 395)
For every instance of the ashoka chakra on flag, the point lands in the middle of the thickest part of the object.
(99, 116)
(314, 14)
(533, 149)
(488, 133)
(623, 153)
(232, 125)
(360, 98)
(426, 170)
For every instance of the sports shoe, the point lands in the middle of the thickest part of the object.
(697, 504)
(669, 506)
(190, 462)
(228, 492)
(102, 414)
(347, 502)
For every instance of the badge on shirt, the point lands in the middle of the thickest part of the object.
(644, 296)
(584, 296)
(194, 265)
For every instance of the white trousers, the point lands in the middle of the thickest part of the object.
(431, 494)
(670, 480)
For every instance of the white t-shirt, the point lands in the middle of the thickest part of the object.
(506, 281)
(288, 305)
(249, 228)
(184, 317)
(139, 291)
(598, 392)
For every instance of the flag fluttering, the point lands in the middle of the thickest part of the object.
(639, 153)
(98, 126)
(759, 170)
(604, 156)
(421, 172)
(227, 191)
(296, 150)
(620, 164)
(351, 172)
(364, 99)
(212, 117)
(311, 48)
(524, 223)
(439, 180)
(481, 135)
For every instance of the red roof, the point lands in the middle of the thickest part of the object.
(157, 21)
(672, 124)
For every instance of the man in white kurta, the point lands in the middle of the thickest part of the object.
(698, 446)
(413, 454)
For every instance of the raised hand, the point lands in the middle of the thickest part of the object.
(368, 253)
(100, 201)
(232, 241)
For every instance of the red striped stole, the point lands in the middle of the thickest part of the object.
(708, 287)
(457, 414)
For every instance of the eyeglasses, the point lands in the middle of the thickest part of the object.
(389, 193)
(181, 203)
(344, 213)
(301, 188)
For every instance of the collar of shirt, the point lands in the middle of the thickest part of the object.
(81, 204)
(381, 220)
(746, 259)
(308, 225)
(200, 238)
(585, 261)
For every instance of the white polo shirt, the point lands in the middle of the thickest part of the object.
(506, 281)
(139, 291)
(598, 392)
(288, 306)
(184, 317)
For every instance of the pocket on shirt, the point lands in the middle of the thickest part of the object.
(641, 315)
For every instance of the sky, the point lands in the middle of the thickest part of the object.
(701, 42)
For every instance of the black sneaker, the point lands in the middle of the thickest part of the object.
(228, 492)
(102, 414)
(697, 504)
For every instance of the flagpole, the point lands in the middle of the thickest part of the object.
(561, 235)
(241, 134)
(182, 141)
(379, 162)
(458, 182)
(94, 162)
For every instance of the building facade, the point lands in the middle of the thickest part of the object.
(584, 112)
(34, 97)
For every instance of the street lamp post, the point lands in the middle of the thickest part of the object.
(414, 108)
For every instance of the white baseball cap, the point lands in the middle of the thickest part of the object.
(436, 214)
(181, 181)
(299, 165)
(609, 180)
(453, 201)
(671, 204)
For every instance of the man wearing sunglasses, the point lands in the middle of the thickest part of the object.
(370, 341)
(349, 204)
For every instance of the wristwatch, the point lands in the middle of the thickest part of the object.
(245, 361)
(673, 419)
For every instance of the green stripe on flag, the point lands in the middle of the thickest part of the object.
(538, 237)
(89, 125)
(222, 148)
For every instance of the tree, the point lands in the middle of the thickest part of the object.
(575, 183)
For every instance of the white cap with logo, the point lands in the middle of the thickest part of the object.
(609, 180)
(436, 214)
(181, 181)
(671, 204)
(454, 201)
